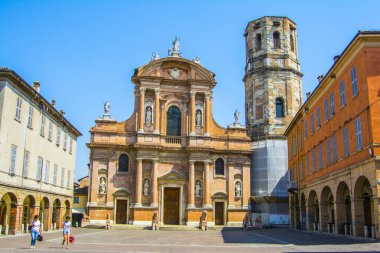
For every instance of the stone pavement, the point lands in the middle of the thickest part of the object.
(271, 240)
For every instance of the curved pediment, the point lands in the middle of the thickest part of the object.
(175, 68)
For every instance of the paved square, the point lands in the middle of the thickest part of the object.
(272, 240)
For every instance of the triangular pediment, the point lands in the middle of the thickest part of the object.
(173, 176)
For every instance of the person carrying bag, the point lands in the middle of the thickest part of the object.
(35, 231)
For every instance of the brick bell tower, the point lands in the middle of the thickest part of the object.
(273, 95)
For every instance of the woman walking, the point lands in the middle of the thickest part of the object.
(66, 232)
(35, 230)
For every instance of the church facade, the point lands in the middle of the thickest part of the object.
(170, 155)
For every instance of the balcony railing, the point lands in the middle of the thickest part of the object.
(173, 140)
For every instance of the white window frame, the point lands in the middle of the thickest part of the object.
(47, 168)
(65, 141)
(12, 162)
(18, 109)
(71, 146)
(55, 174)
(42, 131)
(26, 163)
(40, 166)
(68, 179)
(58, 142)
(50, 131)
(30, 117)
(62, 177)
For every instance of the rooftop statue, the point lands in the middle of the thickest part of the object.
(174, 51)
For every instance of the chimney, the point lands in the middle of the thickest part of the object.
(36, 86)
(320, 78)
(53, 103)
(336, 57)
(308, 94)
(62, 112)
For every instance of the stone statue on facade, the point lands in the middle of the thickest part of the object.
(197, 60)
(107, 108)
(237, 189)
(198, 189)
(102, 185)
(198, 118)
(174, 51)
(148, 115)
(237, 116)
(155, 57)
(146, 187)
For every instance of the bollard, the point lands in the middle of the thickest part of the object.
(54, 226)
(366, 231)
(22, 228)
(42, 226)
(27, 228)
(1, 230)
(333, 228)
(76, 224)
(373, 233)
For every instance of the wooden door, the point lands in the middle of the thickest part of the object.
(219, 213)
(171, 206)
(121, 211)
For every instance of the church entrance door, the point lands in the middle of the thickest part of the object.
(219, 213)
(171, 206)
(121, 211)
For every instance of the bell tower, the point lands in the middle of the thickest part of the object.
(273, 95)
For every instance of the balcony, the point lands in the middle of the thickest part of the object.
(173, 140)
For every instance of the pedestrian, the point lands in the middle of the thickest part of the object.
(66, 232)
(35, 230)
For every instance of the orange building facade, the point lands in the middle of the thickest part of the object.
(170, 156)
(334, 146)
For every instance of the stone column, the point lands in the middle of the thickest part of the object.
(231, 186)
(206, 192)
(192, 113)
(47, 218)
(138, 182)
(208, 116)
(156, 111)
(141, 111)
(15, 219)
(245, 186)
(190, 203)
(154, 184)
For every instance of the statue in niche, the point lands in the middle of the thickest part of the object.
(238, 189)
(198, 189)
(148, 114)
(198, 118)
(102, 185)
(146, 187)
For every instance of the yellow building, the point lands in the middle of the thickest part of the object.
(170, 155)
(80, 201)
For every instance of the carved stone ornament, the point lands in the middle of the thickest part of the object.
(175, 73)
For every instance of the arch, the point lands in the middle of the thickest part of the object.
(56, 214)
(7, 202)
(173, 127)
(303, 212)
(343, 209)
(258, 42)
(364, 207)
(313, 211)
(327, 210)
(279, 107)
(28, 210)
(219, 167)
(45, 213)
(123, 163)
(292, 47)
(276, 40)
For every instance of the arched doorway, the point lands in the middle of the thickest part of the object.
(56, 218)
(303, 212)
(343, 209)
(327, 210)
(45, 213)
(7, 203)
(363, 203)
(28, 210)
(313, 211)
(173, 127)
(67, 208)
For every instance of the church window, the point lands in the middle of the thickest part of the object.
(173, 121)
(291, 43)
(276, 40)
(279, 108)
(123, 163)
(258, 42)
(219, 166)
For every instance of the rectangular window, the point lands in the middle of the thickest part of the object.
(71, 146)
(68, 179)
(40, 165)
(26, 164)
(354, 82)
(312, 123)
(314, 160)
(30, 118)
(335, 150)
(326, 110)
(55, 173)
(76, 200)
(12, 164)
(50, 133)
(342, 96)
(306, 130)
(300, 139)
(332, 109)
(328, 151)
(42, 132)
(301, 169)
(65, 141)
(358, 133)
(307, 164)
(320, 156)
(58, 136)
(319, 116)
(18, 109)
(62, 177)
(47, 168)
(345, 141)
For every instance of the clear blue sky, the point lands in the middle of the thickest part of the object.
(84, 52)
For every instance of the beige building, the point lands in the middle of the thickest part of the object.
(37, 156)
(170, 155)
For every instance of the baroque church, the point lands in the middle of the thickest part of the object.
(170, 156)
